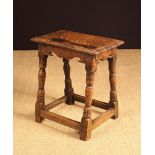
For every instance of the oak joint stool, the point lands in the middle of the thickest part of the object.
(90, 50)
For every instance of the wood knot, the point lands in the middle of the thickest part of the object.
(50, 53)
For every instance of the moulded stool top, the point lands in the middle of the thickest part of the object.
(80, 42)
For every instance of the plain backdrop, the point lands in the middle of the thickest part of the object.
(111, 18)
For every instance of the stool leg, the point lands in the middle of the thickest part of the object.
(68, 83)
(86, 121)
(41, 93)
(112, 79)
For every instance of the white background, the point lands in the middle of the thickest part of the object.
(148, 77)
(6, 77)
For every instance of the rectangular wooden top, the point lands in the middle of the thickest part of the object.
(84, 43)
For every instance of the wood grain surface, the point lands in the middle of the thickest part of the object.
(80, 42)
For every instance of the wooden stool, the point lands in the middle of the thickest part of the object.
(90, 50)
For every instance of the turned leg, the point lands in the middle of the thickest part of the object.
(68, 83)
(112, 79)
(41, 92)
(86, 121)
